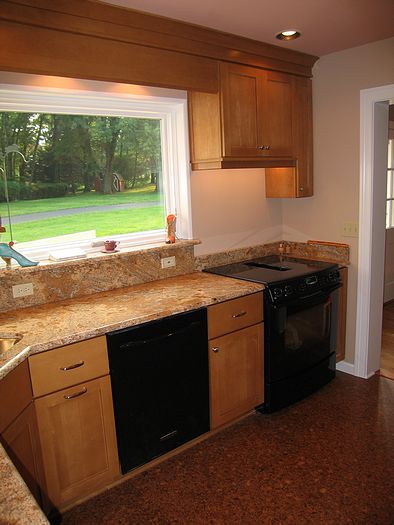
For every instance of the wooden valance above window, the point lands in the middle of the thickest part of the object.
(91, 40)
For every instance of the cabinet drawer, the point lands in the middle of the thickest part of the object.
(233, 315)
(68, 365)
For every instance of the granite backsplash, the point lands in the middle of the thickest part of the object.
(103, 272)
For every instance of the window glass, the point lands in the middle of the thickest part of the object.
(81, 174)
(390, 186)
(91, 166)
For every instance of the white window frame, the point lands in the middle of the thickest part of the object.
(172, 113)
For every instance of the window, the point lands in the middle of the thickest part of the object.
(390, 186)
(97, 165)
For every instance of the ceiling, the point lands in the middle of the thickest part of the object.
(326, 25)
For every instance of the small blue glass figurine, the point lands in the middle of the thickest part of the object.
(7, 253)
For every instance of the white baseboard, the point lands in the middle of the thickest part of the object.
(348, 368)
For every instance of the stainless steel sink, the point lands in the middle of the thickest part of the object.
(8, 341)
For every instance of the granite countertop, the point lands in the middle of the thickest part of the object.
(57, 324)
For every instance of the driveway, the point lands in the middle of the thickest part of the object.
(18, 219)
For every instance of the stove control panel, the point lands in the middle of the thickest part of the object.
(303, 286)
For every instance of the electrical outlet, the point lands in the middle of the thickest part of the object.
(22, 290)
(168, 262)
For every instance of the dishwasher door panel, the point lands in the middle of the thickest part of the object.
(159, 375)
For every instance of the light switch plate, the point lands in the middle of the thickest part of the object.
(350, 229)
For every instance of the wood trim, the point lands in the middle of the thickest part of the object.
(128, 27)
(36, 50)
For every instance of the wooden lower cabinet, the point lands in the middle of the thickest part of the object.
(21, 443)
(342, 307)
(77, 434)
(236, 374)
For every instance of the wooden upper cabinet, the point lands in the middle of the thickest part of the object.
(259, 118)
(240, 99)
(276, 115)
(257, 112)
(296, 181)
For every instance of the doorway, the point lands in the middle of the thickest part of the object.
(374, 104)
(387, 354)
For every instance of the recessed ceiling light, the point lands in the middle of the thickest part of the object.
(288, 34)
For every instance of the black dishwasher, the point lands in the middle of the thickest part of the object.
(159, 376)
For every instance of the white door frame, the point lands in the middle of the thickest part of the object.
(373, 158)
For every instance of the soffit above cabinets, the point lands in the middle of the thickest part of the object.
(326, 26)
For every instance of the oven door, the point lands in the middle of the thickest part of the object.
(300, 334)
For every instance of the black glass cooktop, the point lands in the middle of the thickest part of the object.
(271, 269)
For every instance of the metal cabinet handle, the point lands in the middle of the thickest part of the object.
(265, 147)
(71, 367)
(76, 394)
(240, 314)
(215, 349)
(301, 188)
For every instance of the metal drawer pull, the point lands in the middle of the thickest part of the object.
(215, 349)
(169, 435)
(71, 367)
(76, 394)
(241, 314)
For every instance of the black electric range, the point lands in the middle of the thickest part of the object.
(300, 323)
(285, 277)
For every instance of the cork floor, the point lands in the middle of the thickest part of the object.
(327, 460)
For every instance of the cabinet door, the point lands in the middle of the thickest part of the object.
(276, 115)
(302, 135)
(21, 442)
(236, 374)
(77, 434)
(241, 107)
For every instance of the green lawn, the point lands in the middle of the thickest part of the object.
(105, 223)
(80, 200)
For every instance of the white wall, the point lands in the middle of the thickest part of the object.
(338, 79)
(230, 210)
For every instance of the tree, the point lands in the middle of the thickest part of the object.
(108, 130)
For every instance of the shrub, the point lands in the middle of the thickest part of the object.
(45, 190)
(16, 190)
(35, 190)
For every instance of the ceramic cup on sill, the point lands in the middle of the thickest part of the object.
(110, 246)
